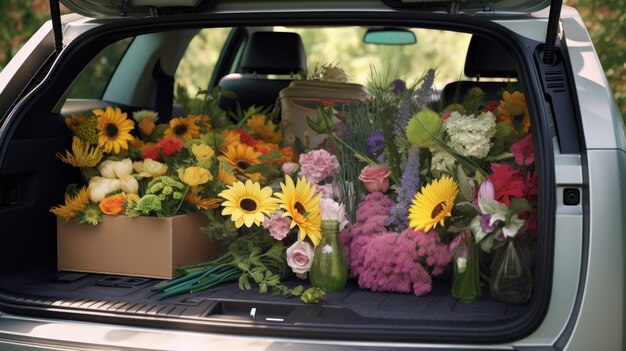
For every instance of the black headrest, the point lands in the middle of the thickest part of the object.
(274, 53)
(486, 58)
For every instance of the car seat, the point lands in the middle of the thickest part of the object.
(485, 59)
(266, 53)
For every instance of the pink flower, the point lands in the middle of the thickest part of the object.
(330, 191)
(375, 178)
(289, 168)
(277, 225)
(333, 211)
(523, 151)
(486, 191)
(316, 165)
(300, 257)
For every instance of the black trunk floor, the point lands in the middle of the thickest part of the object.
(135, 295)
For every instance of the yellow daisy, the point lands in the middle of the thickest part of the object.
(182, 128)
(247, 203)
(82, 154)
(433, 204)
(303, 206)
(241, 156)
(193, 197)
(114, 129)
(266, 131)
(73, 204)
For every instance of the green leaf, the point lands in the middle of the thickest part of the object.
(262, 288)
(520, 205)
(466, 185)
(244, 283)
(257, 276)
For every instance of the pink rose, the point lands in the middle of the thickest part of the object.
(375, 178)
(300, 257)
(289, 168)
(316, 165)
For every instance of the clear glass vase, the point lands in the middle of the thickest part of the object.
(466, 271)
(511, 279)
(329, 270)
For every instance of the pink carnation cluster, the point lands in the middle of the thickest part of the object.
(388, 261)
(317, 165)
(277, 225)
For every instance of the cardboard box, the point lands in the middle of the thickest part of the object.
(301, 99)
(144, 246)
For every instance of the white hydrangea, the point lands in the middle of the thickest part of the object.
(442, 161)
(470, 135)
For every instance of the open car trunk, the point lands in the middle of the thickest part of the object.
(31, 284)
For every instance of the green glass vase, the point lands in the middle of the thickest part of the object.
(466, 271)
(329, 270)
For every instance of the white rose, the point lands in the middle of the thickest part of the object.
(116, 169)
(129, 184)
(300, 257)
(99, 187)
(333, 211)
(149, 168)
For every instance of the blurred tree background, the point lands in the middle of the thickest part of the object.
(605, 19)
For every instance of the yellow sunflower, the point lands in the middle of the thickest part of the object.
(230, 138)
(74, 121)
(303, 206)
(193, 197)
(203, 121)
(265, 131)
(114, 129)
(514, 103)
(241, 156)
(73, 204)
(182, 128)
(225, 176)
(433, 204)
(247, 203)
(82, 154)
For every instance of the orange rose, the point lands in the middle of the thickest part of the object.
(147, 126)
(113, 205)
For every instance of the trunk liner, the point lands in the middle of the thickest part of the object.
(130, 295)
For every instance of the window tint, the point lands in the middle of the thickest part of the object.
(95, 77)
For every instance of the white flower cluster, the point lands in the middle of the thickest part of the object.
(332, 73)
(442, 161)
(469, 135)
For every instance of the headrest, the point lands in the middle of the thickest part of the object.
(486, 58)
(274, 53)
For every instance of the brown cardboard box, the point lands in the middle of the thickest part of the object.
(143, 246)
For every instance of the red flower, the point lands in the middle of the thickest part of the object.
(491, 106)
(171, 146)
(507, 182)
(246, 138)
(531, 187)
(153, 152)
(523, 151)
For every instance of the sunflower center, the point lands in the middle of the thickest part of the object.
(243, 164)
(437, 210)
(111, 130)
(180, 129)
(300, 208)
(247, 205)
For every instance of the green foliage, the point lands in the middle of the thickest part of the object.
(313, 295)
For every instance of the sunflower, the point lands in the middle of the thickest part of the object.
(193, 197)
(241, 156)
(433, 204)
(74, 121)
(230, 138)
(73, 204)
(203, 121)
(303, 206)
(182, 128)
(226, 176)
(247, 203)
(114, 129)
(82, 154)
(264, 131)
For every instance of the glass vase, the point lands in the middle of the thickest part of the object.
(466, 271)
(511, 279)
(329, 270)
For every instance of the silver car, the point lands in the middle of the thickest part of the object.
(126, 53)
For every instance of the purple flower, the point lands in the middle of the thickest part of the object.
(398, 86)
(485, 226)
(409, 186)
(376, 142)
